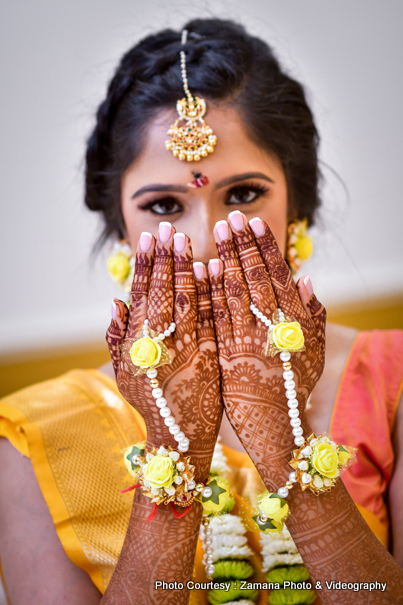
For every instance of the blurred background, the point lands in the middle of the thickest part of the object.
(56, 59)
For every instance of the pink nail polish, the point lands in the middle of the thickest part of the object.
(179, 241)
(113, 310)
(214, 266)
(222, 230)
(308, 285)
(257, 226)
(145, 241)
(236, 220)
(198, 269)
(165, 230)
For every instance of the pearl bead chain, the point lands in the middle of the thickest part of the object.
(157, 393)
(292, 403)
(207, 542)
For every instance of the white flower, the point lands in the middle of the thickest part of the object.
(227, 524)
(270, 561)
(228, 552)
(228, 540)
(219, 464)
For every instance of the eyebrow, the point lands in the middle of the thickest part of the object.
(243, 177)
(157, 187)
(236, 178)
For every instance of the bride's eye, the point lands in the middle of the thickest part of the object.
(245, 194)
(163, 206)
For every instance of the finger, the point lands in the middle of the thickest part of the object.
(235, 286)
(117, 331)
(314, 308)
(221, 313)
(283, 284)
(185, 302)
(160, 294)
(205, 324)
(253, 265)
(141, 282)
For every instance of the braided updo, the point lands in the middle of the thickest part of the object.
(224, 63)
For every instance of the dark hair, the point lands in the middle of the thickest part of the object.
(224, 63)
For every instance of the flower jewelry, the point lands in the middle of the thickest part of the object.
(120, 264)
(164, 474)
(194, 139)
(318, 461)
(299, 245)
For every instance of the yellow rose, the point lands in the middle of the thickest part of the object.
(344, 455)
(145, 352)
(273, 506)
(325, 460)
(118, 266)
(288, 336)
(159, 472)
(304, 247)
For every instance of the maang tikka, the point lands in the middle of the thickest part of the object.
(194, 139)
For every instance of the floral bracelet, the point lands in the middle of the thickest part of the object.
(317, 461)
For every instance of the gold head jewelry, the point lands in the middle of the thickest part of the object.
(193, 139)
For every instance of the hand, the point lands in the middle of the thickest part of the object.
(252, 269)
(165, 288)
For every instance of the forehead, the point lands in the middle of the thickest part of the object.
(234, 153)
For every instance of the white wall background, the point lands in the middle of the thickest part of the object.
(56, 58)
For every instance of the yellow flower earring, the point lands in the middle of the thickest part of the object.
(120, 264)
(299, 244)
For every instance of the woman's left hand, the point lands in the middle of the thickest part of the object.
(252, 269)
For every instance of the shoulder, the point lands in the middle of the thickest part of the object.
(33, 559)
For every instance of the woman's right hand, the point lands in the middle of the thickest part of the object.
(165, 289)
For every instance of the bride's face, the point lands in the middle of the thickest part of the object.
(241, 176)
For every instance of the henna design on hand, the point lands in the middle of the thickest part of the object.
(164, 549)
(191, 382)
(252, 384)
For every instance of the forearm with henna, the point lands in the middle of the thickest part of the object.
(330, 533)
(153, 552)
(164, 288)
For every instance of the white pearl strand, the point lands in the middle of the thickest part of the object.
(207, 542)
(157, 393)
(292, 403)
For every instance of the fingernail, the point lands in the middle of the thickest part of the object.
(198, 269)
(145, 241)
(113, 310)
(179, 241)
(308, 285)
(236, 220)
(214, 266)
(257, 226)
(165, 230)
(222, 230)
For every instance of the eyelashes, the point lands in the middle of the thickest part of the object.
(236, 196)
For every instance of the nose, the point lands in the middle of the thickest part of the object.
(200, 231)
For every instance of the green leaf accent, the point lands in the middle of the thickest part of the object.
(217, 490)
(343, 449)
(134, 452)
(268, 525)
(282, 500)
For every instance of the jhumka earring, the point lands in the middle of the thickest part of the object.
(299, 244)
(194, 139)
